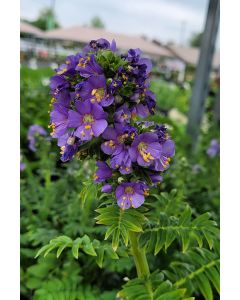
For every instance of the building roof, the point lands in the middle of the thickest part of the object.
(190, 55)
(30, 29)
(85, 34)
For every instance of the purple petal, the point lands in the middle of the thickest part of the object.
(110, 134)
(107, 188)
(107, 149)
(169, 148)
(124, 204)
(137, 200)
(74, 119)
(107, 101)
(99, 126)
(98, 112)
(83, 107)
(119, 191)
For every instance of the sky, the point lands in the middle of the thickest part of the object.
(165, 20)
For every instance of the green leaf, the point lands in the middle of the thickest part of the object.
(205, 287)
(197, 269)
(188, 232)
(75, 247)
(120, 222)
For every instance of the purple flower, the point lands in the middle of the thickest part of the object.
(145, 149)
(133, 55)
(89, 120)
(58, 82)
(33, 132)
(87, 66)
(130, 194)
(117, 145)
(161, 132)
(214, 148)
(122, 114)
(150, 100)
(96, 45)
(59, 120)
(114, 86)
(140, 110)
(155, 177)
(167, 152)
(22, 166)
(68, 151)
(103, 172)
(60, 90)
(107, 188)
(95, 90)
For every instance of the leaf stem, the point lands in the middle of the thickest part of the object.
(139, 256)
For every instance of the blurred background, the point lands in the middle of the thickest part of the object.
(181, 38)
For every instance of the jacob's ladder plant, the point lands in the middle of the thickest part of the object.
(99, 98)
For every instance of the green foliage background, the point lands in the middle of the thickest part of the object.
(60, 200)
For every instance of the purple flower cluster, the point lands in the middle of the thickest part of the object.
(96, 97)
(214, 148)
(33, 132)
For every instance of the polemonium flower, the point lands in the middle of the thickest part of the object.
(145, 149)
(100, 44)
(68, 151)
(107, 188)
(95, 90)
(59, 120)
(118, 141)
(214, 148)
(103, 172)
(114, 86)
(155, 177)
(60, 90)
(150, 100)
(22, 166)
(68, 68)
(33, 132)
(88, 120)
(167, 151)
(122, 114)
(87, 66)
(130, 194)
(161, 132)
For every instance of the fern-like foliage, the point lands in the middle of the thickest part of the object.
(56, 289)
(152, 288)
(197, 269)
(120, 222)
(168, 228)
(100, 251)
(62, 242)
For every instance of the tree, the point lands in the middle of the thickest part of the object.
(96, 22)
(46, 20)
(196, 39)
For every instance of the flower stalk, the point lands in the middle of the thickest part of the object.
(139, 256)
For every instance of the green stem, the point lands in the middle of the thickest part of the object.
(139, 256)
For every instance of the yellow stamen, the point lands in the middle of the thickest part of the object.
(88, 126)
(62, 71)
